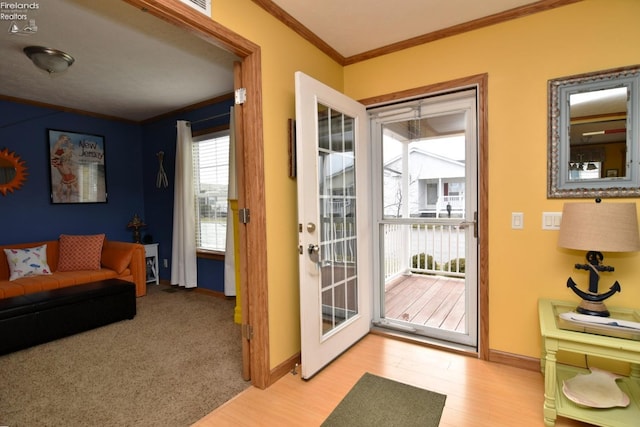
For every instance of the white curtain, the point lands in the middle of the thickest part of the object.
(183, 250)
(229, 254)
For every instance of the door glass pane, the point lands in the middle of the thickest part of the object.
(423, 173)
(336, 178)
(423, 185)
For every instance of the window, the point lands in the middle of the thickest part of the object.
(211, 182)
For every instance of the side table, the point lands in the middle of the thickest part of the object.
(555, 339)
(151, 255)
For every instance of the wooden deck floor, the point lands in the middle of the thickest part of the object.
(434, 301)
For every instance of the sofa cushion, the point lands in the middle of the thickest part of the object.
(81, 252)
(117, 257)
(27, 262)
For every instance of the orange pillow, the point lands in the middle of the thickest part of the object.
(117, 259)
(80, 252)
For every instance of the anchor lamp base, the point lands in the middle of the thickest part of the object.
(593, 308)
(593, 302)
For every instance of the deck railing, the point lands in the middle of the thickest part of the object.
(408, 247)
(427, 248)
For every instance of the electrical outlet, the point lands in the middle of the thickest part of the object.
(165, 263)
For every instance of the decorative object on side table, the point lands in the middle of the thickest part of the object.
(595, 390)
(595, 227)
(136, 224)
(627, 326)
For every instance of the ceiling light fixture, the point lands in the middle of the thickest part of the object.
(50, 60)
(604, 132)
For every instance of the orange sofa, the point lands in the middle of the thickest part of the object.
(119, 260)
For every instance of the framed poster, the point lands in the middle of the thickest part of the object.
(77, 167)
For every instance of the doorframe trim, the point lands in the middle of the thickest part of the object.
(253, 236)
(481, 82)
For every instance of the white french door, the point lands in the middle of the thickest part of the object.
(333, 173)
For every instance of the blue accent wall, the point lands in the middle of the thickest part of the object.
(28, 215)
(161, 136)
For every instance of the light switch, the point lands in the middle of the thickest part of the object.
(517, 220)
(551, 220)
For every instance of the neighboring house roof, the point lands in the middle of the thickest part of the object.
(432, 166)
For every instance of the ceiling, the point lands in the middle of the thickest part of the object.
(128, 64)
(352, 27)
(131, 65)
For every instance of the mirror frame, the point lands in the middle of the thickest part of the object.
(21, 172)
(558, 152)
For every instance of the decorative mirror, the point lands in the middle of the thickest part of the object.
(593, 130)
(13, 172)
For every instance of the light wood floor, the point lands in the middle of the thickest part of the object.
(478, 393)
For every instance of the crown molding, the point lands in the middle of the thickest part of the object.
(519, 12)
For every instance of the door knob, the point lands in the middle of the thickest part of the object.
(314, 252)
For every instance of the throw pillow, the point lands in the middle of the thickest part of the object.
(27, 262)
(116, 258)
(80, 252)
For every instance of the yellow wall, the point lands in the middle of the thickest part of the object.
(283, 53)
(520, 56)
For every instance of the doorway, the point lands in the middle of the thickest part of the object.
(425, 153)
(456, 116)
(430, 213)
(252, 235)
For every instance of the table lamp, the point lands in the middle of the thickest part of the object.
(596, 228)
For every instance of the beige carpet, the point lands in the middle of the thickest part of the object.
(176, 361)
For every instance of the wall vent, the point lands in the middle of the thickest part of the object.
(202, 6)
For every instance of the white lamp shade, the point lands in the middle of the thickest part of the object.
(602, 227)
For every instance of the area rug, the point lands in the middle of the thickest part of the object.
(377, 401)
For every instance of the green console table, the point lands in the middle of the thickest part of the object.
(555, 339)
